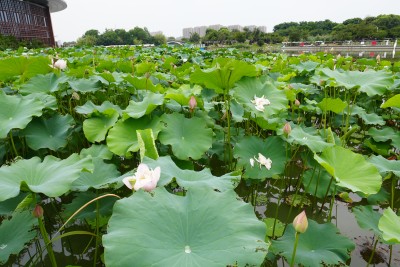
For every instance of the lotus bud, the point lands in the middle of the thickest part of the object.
(297, 102)
(38, 211)
(192, 103)
(287, 129)
(300, 223)
(378, 59)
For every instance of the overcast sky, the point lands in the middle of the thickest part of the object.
(172, 16)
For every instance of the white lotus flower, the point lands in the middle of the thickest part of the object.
(252, 162)
(60, 64)
(263, 161)
(144, 178)
(260, 102)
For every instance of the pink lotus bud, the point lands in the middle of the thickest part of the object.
(297, 102)
(287, 129)
(192, 103)
(300, 223)
(38, 211)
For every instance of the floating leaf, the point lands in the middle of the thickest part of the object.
(248, 148)
(17, 112)
(319, 245)
(15, 233)
(191, 179)
(389, 225)
(248, 88)
(187, 137)
(204, 228)
(52, 177)
(48, 133)
(350, 170)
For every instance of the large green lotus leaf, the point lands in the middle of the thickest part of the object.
(86, 85)
(385, 134)
(335, 105)
(190, 178)
(89, 108)
(248, 88)
(385, 166)
(49, 101)
(142, 83)
(97, 151)
(317, 182)
(248, 148)
(204, 228)
(52, 177)
(96, 127)
(15, 233)
(389, 225)
(182, 94)
(26, 67)
(103, 174)
(17, 112)
(350, 170)
(308, 137)
(48, 133)
(138, 109)
(189, 138)
(370, 82)
(122, 138)
(43, 84)
(368, 118)
(320, 245)
(223, 74)
(304, 67)
(392, 102)
(367, 218)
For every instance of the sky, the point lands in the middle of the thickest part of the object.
(172, 16)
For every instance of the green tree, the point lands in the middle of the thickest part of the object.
(194, 38)
(159, 39)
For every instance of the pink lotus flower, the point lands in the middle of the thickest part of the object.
(300, 223)
(144, 178)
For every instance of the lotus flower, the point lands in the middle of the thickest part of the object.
(192, 103)
(263, 161)
(144, 178)
(287, 129)
(300, 223)
(60, 64)
(260, 102)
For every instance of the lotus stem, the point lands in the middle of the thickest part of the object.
(294, 248)
(373, 252)
(12, 144)
(47, 242)
(97, 233)
(326, 195)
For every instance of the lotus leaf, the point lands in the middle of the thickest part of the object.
(191, 179)
(370, 82)
(139, 109)
(17, 112)
(335, 105)
(247, 89)
(52, 177)
(43, 84)
(223, 74)
(15, 233)
(385, 166)
(368, 218)
(350, 170)
(204, 228)
(86, 85)
(122, 139)
(392, 102)
(308, 137)
(48, 133)
(320, 245)
(187, 137)
(90, 108)
(26, 67)
(249, 148)
(385, 134)
(389, 225)
(96, 127)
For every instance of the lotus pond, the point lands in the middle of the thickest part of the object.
(165, 156)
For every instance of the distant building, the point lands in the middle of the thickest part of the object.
(251, 27)
(201, 30)
(186, 32)
(235, 27)
(262, 29)
(215, 27)
(29, 20)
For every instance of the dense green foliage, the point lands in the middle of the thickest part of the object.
(10, 42)
(166, 156)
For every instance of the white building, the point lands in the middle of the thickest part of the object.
(235, 27)
(186, 32)
(201, 30)
(215, 27)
